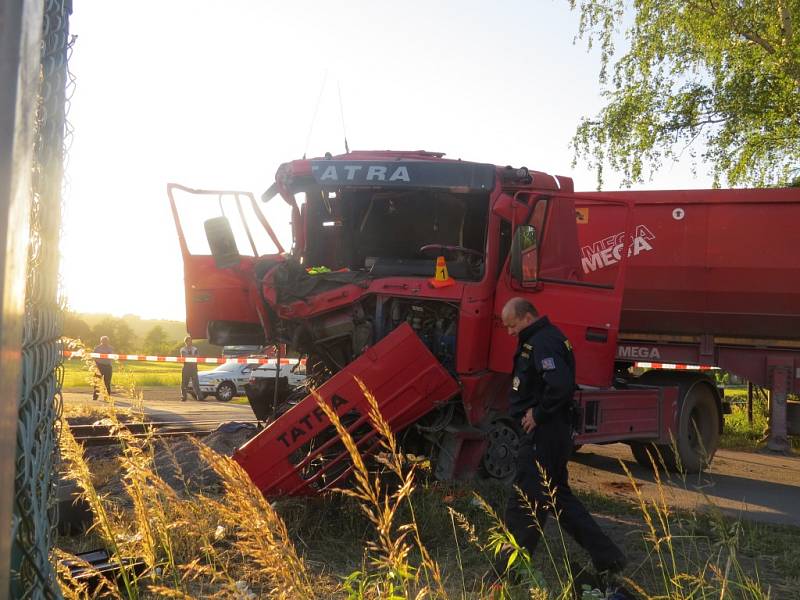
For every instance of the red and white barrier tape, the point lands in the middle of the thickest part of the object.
(208, 360)
(675, 366)
(211, 360)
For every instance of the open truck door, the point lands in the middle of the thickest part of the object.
(545, 267)
(224, 238)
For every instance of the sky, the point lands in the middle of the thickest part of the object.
(214, 94)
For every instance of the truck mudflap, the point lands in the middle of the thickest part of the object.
(300, 453)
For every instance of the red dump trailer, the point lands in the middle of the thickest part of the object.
(713, 279)
(691, 277)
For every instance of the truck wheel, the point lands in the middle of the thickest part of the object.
(500, 459)
(699, 425)
(661, 453)
(258, 396)
(226, 391)
(698, 428)
(261, 399)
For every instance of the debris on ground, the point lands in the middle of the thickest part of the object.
(180, 466)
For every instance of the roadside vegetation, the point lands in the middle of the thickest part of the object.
(139, 374)
(739, 432)
(394, 533)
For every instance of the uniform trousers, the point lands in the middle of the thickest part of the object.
(550, 446)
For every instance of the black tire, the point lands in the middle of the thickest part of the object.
(226, 391)
(261, 397)
(661, 453)
(699, 424)
(698, 428)
(499, 461)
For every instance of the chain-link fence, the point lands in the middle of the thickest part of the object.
(36, 483)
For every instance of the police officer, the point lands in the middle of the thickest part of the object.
(189, 374)
(541, 397)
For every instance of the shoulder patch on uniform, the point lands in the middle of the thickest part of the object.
(548, 364)
(527, 347)
(568, 345)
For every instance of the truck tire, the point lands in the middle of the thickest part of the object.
(500, 459)
(698, 428)
(662, 454)
(262, 397)
(699, 424)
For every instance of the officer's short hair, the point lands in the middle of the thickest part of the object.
(522, 307)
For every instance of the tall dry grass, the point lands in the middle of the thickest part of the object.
(390, 573)
(233, 543)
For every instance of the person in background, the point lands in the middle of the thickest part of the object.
(104, 365)
(189, 373)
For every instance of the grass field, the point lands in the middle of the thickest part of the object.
(142, 374)
(739, 433)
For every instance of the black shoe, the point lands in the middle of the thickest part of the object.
(610, 582)
(582, 576)
(621, 593)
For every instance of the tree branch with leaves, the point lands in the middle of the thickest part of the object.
(720, 78)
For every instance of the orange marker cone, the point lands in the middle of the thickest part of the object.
(441, 278)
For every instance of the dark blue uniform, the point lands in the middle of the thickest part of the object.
(544, 380)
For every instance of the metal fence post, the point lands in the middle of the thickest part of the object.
(20, 50)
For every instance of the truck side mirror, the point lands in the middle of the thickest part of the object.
(222, 243)
(524, 264)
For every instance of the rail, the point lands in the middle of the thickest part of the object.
(104, 434)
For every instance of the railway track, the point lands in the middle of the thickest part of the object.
(105, 434)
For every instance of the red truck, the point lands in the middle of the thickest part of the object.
(705, 277)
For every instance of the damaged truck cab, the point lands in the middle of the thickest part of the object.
(354, 294)
(367, 229)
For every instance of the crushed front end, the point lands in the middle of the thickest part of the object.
(367, 229)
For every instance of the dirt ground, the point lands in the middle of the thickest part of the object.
(164, 404)
(752, 486)
(749, 485)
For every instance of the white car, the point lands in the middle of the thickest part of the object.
(295, 374)
(226, 381)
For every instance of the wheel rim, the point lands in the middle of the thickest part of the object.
(225, 392)
(501, 453)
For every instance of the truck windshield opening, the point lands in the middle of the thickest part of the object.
(391, 232)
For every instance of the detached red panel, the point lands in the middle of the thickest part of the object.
(300, 454)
